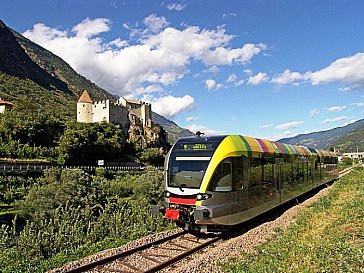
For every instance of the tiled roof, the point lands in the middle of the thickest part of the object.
(4, 102)
(134, 101)
(85, 97)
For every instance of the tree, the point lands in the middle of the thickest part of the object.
(84, 143)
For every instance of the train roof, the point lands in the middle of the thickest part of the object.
(256, 146)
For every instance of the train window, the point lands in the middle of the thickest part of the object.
(256, 171)
(268, 171)
(187, 171)
(221, 180)
(237, 173)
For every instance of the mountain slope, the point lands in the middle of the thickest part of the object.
(345, 137)
(351, 142)
(14, 61)
(174, 131)
(38, 80)
(56, 66)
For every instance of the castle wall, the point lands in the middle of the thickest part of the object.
(123, 102)
(119, 115)
(100, 111)
(4, 108)
(122, 112)
(84, 112)
(146, 114)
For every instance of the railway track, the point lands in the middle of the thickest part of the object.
(157, 255)
(150, 257)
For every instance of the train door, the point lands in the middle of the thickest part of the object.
(279, 176)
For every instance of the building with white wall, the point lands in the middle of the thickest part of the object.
(5, 105)
(122, 111)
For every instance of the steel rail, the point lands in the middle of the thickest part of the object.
(181, 256)
(123, 254)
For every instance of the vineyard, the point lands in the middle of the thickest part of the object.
(64, 215)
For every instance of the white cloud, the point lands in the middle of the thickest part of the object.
(234, 79)
(278, 136)
(208, 132)
(153, 88)
(313, 113)
(155, 23)
(226, 56)
(213, 69)
(344, 89)
(249, 72)
(288, 125)
(258, 78)
(118, 43)
(265, 126)
(228, 14)
(169, 106)
(192, 118)
(88, 28)
(348, 70)
(160, 56)
(358, 104)
(336, 108)
(287, 77)
(42, 34)
(330, 120)
(176, 6)
(210, 84)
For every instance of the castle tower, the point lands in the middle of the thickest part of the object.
(84, 108)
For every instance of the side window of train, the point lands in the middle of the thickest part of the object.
(256, 171)
(221, 180)
(237, 173)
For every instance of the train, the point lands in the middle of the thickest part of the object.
(213, 183)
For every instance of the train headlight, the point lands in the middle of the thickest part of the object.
(167, 194)
(203, 196)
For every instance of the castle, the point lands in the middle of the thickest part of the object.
(5, 105)
(122, 112)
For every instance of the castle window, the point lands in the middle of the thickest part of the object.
(83, 105)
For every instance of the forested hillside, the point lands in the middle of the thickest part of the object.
(345, 138)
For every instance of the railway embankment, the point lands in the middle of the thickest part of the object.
(325, 233)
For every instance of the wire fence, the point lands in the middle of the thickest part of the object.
(42, 167)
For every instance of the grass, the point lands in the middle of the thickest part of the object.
(326, 237)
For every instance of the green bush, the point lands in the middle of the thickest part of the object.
(72, 214)
(152, 156)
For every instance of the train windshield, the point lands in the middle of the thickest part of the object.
(188, 161)
(187, 171)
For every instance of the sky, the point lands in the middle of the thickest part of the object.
(261, 68)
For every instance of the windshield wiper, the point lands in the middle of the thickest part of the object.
(182, 185)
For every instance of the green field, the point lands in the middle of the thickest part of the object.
(326, 237)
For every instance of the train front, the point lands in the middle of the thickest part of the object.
(185, 167)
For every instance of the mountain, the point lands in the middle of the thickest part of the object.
(351, 142)
(38, 80)
(345, 138)
(174, 131)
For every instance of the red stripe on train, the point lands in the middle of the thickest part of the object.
(182, 201)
